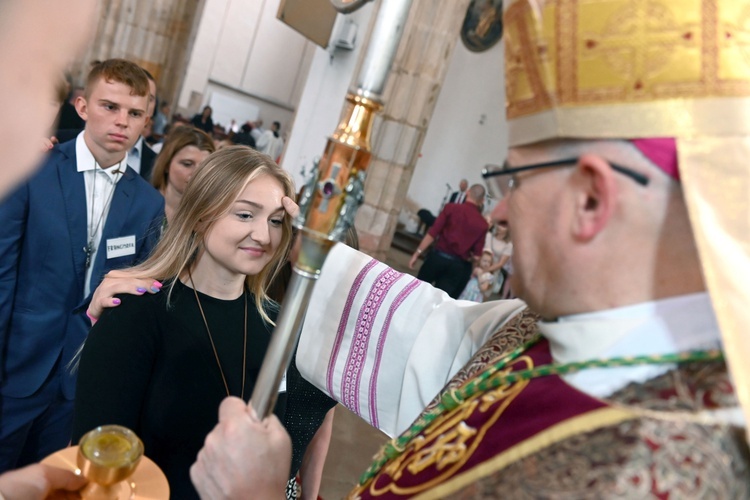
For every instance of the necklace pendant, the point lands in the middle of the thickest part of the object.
(87, 251)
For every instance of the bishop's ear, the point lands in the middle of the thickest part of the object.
(595, 196)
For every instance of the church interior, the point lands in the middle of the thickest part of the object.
(229, 220)
(293, 62)
(443, 119)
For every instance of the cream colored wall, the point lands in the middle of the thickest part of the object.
(468, 128)
(322, 99)
(242, 51)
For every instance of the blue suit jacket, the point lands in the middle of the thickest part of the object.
(43, 231)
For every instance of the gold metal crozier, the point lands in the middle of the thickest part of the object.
(332, 195)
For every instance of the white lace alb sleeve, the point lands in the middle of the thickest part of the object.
(384, 343)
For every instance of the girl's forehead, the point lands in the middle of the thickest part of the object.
(264, 190)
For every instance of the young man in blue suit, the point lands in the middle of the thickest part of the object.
(82, 214)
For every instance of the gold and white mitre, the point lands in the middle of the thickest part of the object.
(645, 69)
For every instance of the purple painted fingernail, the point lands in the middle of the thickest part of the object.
(140, 289)
(116, 302)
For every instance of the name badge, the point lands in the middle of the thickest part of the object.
(120, 247)
(282, 385)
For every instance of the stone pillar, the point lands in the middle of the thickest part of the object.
(156, 34)
(422, 60)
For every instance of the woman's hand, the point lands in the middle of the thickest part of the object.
(499, 264)
(48, 144)
(116, 282)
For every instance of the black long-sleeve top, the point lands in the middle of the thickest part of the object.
(151, 368)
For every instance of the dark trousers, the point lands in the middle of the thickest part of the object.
(447, 272)
(33, 427)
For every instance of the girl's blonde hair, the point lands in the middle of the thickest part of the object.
(210, 194)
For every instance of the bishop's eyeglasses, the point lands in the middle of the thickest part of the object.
(506, 179)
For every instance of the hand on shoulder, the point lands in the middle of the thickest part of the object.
(114, 283)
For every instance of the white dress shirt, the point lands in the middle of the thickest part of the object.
(136, 155)
(100, 186)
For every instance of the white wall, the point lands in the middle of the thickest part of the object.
(243, 52)
(322, 99)
(468, 128)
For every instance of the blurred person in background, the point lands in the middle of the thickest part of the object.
(185, 148)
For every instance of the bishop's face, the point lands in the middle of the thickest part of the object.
(533, 211)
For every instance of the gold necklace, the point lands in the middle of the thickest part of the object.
(213, 346)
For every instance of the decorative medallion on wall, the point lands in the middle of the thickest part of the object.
(483, 24)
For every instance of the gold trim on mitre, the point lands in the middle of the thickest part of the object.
(626, 68)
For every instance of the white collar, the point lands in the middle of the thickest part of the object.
(85, 161)
(667, 326)
(138, 146)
